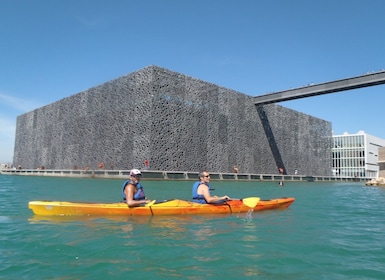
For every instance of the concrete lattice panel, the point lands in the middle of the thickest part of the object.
(177, 122)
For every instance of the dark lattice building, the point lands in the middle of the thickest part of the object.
(176, 123)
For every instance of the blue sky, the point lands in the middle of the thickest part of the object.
(52, 49)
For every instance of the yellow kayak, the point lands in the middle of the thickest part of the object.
(170, 207)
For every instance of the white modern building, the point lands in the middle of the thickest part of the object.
(356, 155)
(381, 161)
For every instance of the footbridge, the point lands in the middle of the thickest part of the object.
(370, 79)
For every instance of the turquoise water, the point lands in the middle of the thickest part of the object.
(332, 231)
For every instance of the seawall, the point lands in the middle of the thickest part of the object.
(177, 175)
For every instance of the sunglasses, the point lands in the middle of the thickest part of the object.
(207, 176)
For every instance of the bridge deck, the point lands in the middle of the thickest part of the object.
(367, 80)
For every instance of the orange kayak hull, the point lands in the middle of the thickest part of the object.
(171, 207)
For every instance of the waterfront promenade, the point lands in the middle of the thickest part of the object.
(178, 175)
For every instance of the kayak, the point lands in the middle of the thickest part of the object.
(168, 207)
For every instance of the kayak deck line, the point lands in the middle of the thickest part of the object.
(169, 207)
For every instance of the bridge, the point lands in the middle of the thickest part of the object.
(371, 79)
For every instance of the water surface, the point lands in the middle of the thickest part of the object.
(332, 231)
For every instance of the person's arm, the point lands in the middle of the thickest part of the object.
(129, 192)
(204, 190)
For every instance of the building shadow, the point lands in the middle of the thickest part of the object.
(270, 138)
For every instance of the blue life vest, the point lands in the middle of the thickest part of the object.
(199, 198)
(139, 195)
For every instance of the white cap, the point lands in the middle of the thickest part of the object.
(135, 172)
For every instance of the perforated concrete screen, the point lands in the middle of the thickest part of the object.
(176, 123)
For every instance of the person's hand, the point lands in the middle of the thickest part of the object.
(225, 197)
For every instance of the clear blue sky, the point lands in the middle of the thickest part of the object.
(52, 49)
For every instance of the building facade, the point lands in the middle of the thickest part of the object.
(163, 120)
(356, 155)
(381, 161)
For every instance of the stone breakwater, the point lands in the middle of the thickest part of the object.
(380, 181)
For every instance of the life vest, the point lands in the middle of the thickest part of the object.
(139, 195)
(199, 198)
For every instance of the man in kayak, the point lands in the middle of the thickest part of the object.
(201, 191)
(132, 190)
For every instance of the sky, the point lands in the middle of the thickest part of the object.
(53, 49)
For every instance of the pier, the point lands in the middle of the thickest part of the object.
(178, 175)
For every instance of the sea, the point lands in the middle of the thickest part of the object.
(333, 230)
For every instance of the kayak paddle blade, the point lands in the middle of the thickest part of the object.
(150, 203)
(251, 202)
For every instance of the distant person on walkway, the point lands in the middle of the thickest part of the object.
(101, 165)
(201, 191)
(235, 169)
(132, 190)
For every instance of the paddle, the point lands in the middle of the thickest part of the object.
(250, 202)
(150, 203)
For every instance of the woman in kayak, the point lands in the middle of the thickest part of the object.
(132, 190)
(201, 191)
